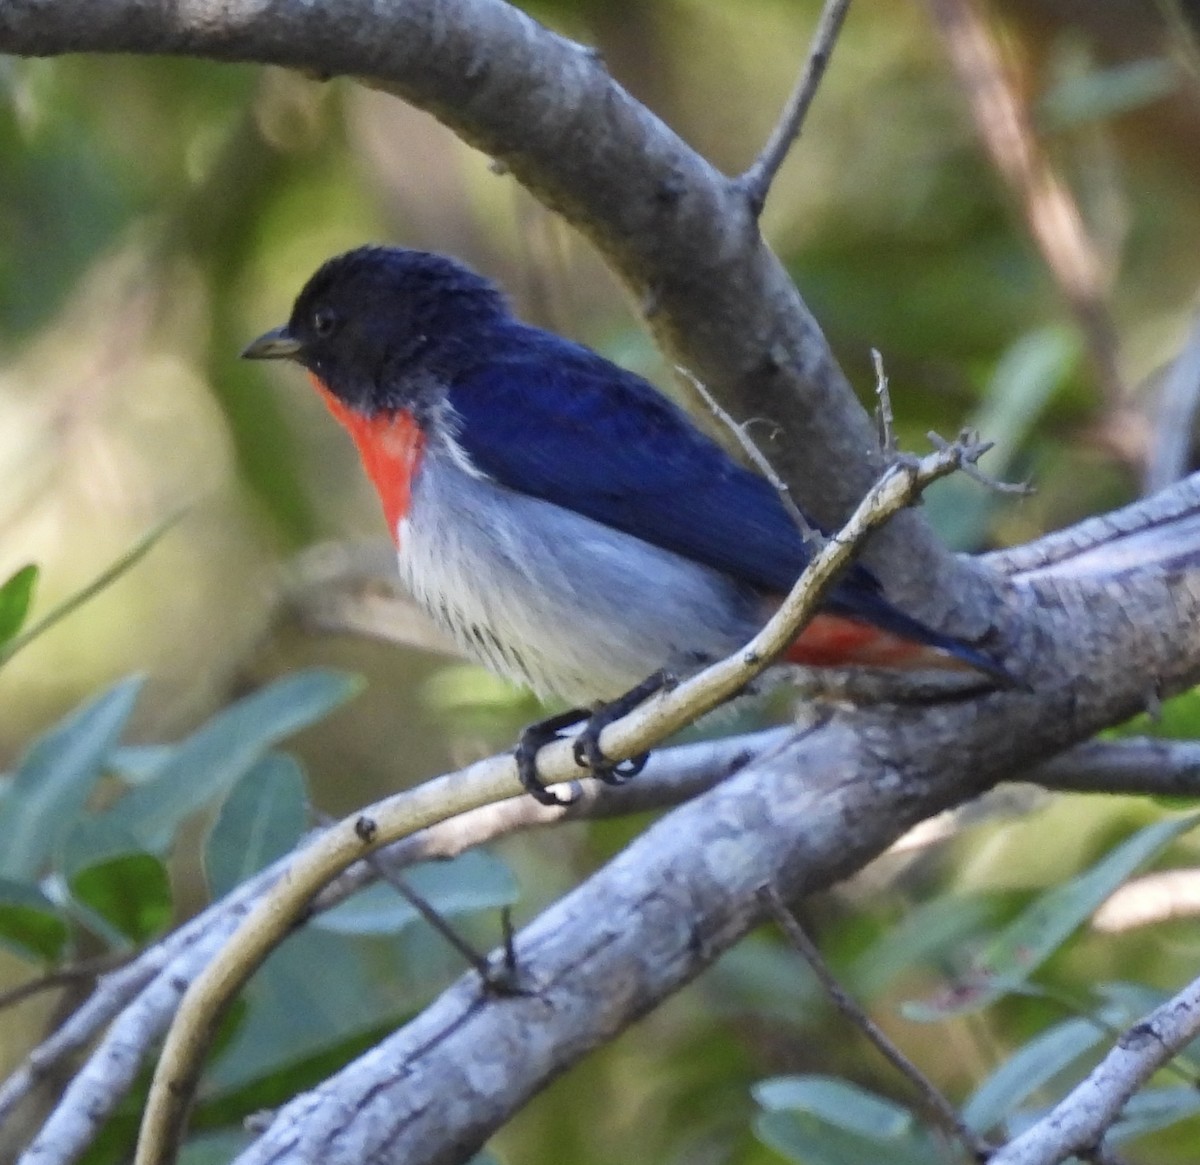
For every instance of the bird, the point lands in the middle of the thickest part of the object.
(566, 523)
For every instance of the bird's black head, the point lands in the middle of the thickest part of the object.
(377, 323)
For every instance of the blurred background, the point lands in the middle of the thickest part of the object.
(155, 215)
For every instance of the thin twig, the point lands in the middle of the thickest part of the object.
(884, 416)
(756, 181)
(939, 1107)
(812, 536)
(1050, 209)
(84, 970)
(971, 470)
(383, 870)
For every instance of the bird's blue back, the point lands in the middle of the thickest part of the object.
(554, 420)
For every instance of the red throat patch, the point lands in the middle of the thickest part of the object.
(390, 446)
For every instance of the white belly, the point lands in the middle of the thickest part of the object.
(554, 600)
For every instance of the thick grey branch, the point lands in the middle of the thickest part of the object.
(1139, 765)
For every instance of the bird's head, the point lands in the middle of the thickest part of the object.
(371, 321)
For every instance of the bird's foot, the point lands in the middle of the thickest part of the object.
(588, 753)
(532, 740)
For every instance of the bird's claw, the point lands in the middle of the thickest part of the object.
(589, 755)
(587, 751)
(531, 741)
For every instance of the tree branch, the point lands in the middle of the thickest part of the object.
(1078, 1123)
(756, 182)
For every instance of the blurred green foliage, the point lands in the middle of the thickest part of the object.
(156, 214)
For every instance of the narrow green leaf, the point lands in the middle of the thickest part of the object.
(104, 579)
(136, 764)
(314, 992)
(943, 924)
(15, 596)
(836, 1102)
(1030, 939)
(1028, 1069)
(263, 818)
(92, 841)
(220, 1107)
(1026, 378)
(132, 892)
(467, 884)
(808, 1140)
(215, 757)
(1153, 1109)
(1106, 93)
(55, 778)
(30, 924)
(214, 1148)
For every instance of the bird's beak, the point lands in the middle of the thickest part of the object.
(277, 344)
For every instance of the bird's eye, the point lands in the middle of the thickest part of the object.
(324, 322)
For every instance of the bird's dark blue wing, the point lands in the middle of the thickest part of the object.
(556, 421)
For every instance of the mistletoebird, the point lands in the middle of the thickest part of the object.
(566, 523)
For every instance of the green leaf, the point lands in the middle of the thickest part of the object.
(55, 778)
(1030, 939)
(1028, 1069)
(1105, 93)
(941, 925)
(1027, 377)
(472, 882)
(15, 596)
(818, 1120)
(314, 992)
(280, 1082)
(131, 892)
(104, 579)
(214, 1148)
(836, 1102)
(262, 819)
(1153, 1109)
(30, 923)
(215, 757)
(136, 764)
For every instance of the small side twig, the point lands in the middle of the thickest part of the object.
(382, 869)
(971, 470)
(81, 972)
(756, 181)
(812, 536)
(938, 1106)
(884, 417)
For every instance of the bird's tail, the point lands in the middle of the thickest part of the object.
(877, 634)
